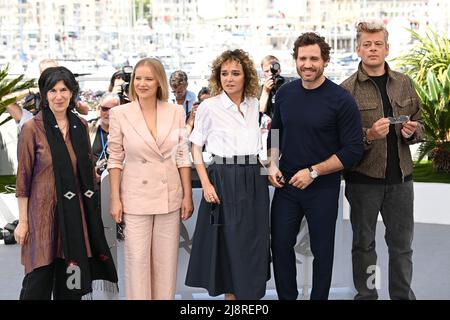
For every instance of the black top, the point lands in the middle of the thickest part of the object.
(314, 125)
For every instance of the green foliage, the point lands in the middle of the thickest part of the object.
(8, 86)
(424, 172)
(432, 52)
(428, 64)
(7, 184)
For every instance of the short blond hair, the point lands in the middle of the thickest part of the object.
(47, 63)
(269, 59)
(159, 74)
(370, 27)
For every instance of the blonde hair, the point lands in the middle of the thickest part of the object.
(47, 63)
(159, 74)
(251, 85)
(268, 59)
(370, 27)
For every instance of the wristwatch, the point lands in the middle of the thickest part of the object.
(366, 140)
(313, 173)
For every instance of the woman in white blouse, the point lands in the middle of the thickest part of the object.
(230, 251)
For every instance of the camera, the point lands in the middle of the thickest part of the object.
(7, 233)
(100, 166)
(278, 80)
(125, 75)
(32, 102)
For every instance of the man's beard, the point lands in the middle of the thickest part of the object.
(319, 73)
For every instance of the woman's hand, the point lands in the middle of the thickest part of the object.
(116, 210)
(191, 119)
(187, 207)
(21, 232)
(210, 194)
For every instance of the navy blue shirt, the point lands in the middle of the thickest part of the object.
(315, 124)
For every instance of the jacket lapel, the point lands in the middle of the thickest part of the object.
(137, 122)
(165, 117)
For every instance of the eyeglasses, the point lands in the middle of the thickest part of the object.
(104, 109)
(399, 119)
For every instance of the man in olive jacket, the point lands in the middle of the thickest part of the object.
(382, 180)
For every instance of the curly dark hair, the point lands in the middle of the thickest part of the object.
(251, 84)
(50, 77)
(311, 38)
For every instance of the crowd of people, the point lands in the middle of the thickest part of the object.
(143, 136)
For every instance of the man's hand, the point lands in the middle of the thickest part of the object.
(379, 129)
(276, 178)
(408, 129)
(268, 84)
(301, 179)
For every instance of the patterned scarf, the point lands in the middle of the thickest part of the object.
(68, 211)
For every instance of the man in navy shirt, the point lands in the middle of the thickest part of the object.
(320, 134)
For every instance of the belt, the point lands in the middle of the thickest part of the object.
(247, 159)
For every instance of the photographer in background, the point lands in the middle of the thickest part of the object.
(180, 95)
(272, 82)
(98, 136)
(30, 100)
(99, 130)
(120, 82)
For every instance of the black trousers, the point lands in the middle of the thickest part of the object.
(289, 206)
(42, 282)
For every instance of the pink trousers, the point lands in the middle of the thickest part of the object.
(151, 255)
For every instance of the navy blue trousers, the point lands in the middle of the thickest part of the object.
(289, 206)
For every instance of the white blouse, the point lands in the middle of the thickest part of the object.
(223, 130)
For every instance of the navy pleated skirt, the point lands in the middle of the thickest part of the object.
(231, 246)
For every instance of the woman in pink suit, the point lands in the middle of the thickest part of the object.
(150, 180)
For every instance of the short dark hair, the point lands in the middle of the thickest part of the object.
(116, 75)
(203, 90)
(177, 78)
(50, 77)
(311, 38)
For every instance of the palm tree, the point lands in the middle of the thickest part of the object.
(428, 64)
(8, 86)
(432, 52)
(435, 98)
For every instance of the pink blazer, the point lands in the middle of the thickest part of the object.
(151, 183)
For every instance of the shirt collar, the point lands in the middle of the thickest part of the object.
(190, 96)
(228, 104)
